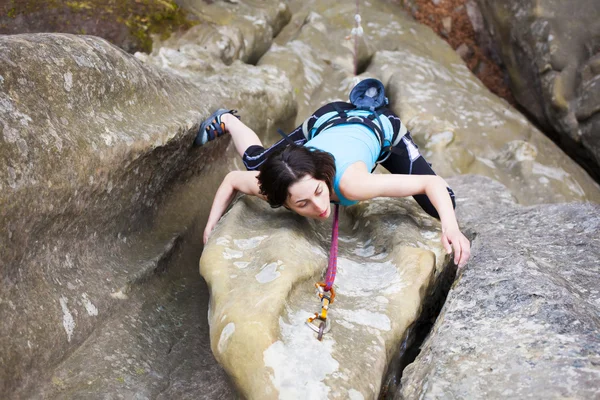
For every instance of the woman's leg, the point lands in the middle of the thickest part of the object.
(255, 154)
(411, 162)
(249, 146)
(243, 137)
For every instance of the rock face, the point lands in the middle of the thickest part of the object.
(261, 265)
(461, 127)
(91, 143)
(103, 201)
(523, 318)
(551, 52)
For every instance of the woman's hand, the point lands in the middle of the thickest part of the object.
(453, 238)
(242, 181)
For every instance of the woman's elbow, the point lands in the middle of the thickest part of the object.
(435, 183)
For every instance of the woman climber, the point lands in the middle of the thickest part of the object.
(329, 158)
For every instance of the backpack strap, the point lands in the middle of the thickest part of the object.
(286, 137)
(372, 121)
(399, 131)
(338, 117)
(338, 113)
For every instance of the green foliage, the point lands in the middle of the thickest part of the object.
(142, 18)
(162, 18)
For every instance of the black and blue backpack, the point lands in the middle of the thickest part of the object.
(369, 101)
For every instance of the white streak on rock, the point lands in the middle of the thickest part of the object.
(550, 172)
(246, 244)
(119, 295)
(487, 162)
(444, 138)
(68, 321)
(366, 318)
(241, 264)
(223, 240)
(367, 279)
(89, 307)
(379, 256)
(225, 335)
(268, 273)
(430, 235)
(107, 139)
(68, 81)
(354, 394)
(364, 252)
(228, 254)
(298, 348)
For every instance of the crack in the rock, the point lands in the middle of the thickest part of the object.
(418, 332)
(420, 329)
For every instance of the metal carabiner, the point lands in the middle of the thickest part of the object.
(321, 291)
(323, 325)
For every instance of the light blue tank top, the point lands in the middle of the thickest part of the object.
(348, 143)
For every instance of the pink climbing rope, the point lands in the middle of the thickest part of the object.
(333, 251)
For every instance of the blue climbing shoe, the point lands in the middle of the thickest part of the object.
(213, 127)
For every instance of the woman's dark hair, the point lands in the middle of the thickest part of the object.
(284, 168)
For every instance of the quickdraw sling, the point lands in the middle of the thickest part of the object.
(319, 322)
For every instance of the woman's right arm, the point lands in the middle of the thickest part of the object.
(242, 181)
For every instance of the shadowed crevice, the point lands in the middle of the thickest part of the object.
(420, 329)
(418, 332)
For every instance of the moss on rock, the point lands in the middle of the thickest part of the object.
(129, 24)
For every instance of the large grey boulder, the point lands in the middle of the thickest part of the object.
(550, 50)
(91, 143)
(103, 201)
(261, 265)
(523, 320)
(463, 128)
(228, 32)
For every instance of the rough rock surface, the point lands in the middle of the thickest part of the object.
(390, 257)
(459, 22)
(551, 51)
(524, 318)
(103, 200)
(229, 31)
(92, 141)
(461, 127)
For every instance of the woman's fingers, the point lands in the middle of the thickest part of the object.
(446, 244)
(466, 252)
(457, 251)
(458, 243)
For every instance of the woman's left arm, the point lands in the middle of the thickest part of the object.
(356, 185)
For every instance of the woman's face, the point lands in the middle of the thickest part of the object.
(309, 197)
